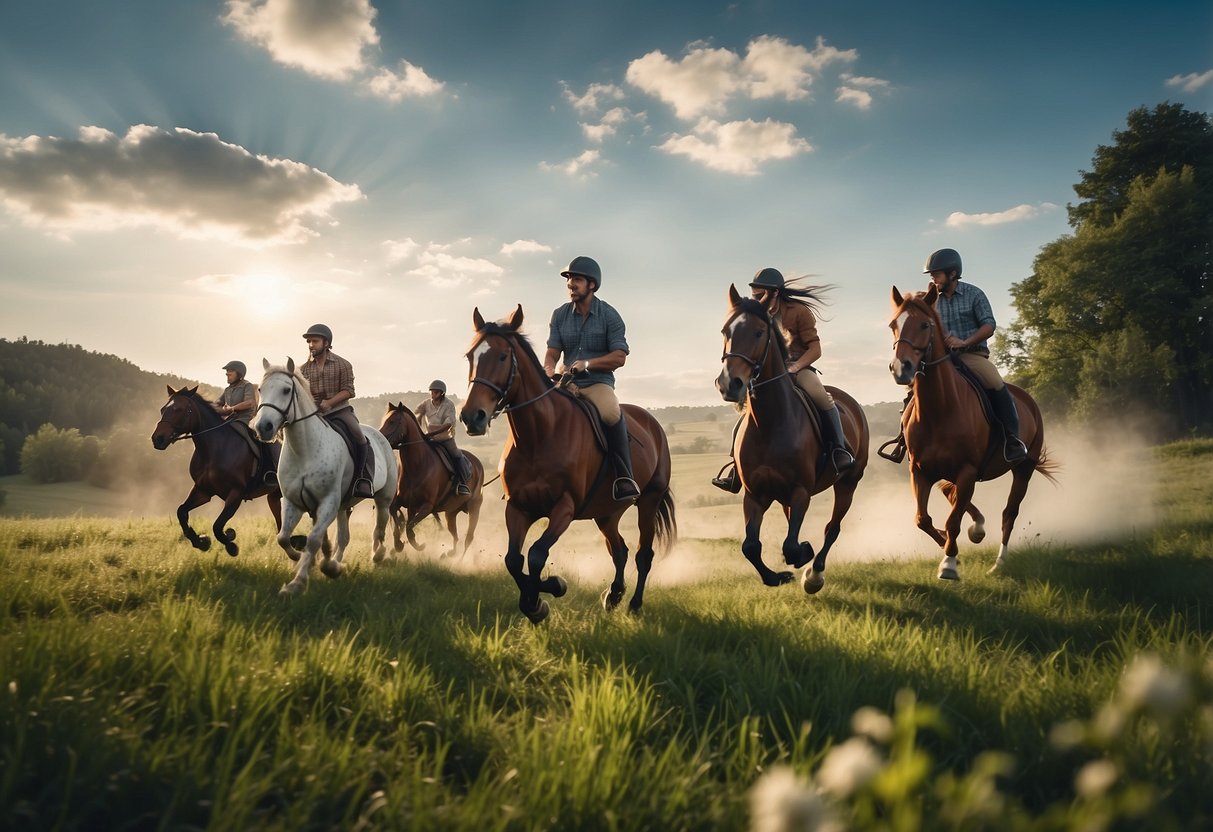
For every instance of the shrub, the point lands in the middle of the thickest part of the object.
(53, 455)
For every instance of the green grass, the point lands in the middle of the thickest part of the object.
(145, 685)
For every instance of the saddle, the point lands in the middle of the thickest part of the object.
(266, 454)
(591, 413)
(338, 425)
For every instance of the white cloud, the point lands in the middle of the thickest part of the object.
(706, 78)
(1020, 213)
(738, 146)
(610, 122)
(855, 89)
(411, 82)
(524, 247)
(444, 271)
(1192, 81)
(588, 102)
(576, 166)
(323, 37)
(191, 184)
(398, 250)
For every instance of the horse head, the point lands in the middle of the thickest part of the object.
(917, 333)
(398, 423)
(748, 338)
(493, 369)
(284, 399)
(179, 416)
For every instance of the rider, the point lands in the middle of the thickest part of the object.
(591, 335)
(331, 379)
(792, 309)
(968, 321)
(437, 417)
(239, 399)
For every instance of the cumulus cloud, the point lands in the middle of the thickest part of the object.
(705, 78)
(857, 90)
(609, 124)
(1192, 81)
(191, 184)
(324, 37)
(590, 100)
(525, 247)
(576, 167)
(443, 270)
(738, 146)
(398, 250)
(1020, 213)
(410, 82)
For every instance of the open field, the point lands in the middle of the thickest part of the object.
(144, 684)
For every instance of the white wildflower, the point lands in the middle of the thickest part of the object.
(873, 724)
(1150, 684)
(782, 801)
(1095, 778)
(1067, 735)
(849, 767)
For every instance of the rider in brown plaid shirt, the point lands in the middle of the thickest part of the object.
(331, 378)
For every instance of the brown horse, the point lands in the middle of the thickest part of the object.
(778, 449)
(224, 464)
(553, 465)
(424, 486)
(947, 435)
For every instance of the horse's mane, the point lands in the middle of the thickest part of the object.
(523, 342)
(749, 306)
(299, 379)
(207, 411)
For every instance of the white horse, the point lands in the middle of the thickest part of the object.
(315, 472)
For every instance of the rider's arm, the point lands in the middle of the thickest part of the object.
(549, 360)
(611, 361)
(807, 358)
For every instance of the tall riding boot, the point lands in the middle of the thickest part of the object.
(1004, 408)
(624, 488)
(268, 470)
(463, 472)
(836, 440)
(730, 482)
(364, 471)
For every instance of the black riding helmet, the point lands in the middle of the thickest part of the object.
(768, 279)
(944, 260)
(586, 267)
(320, 331)
(238, 366)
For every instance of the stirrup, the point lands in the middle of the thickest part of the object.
(1014, 450)
(730, 483)
(848, 458)
(270, 478)
(897, 454)
(369, 488)
(461, 488)
(625, 489)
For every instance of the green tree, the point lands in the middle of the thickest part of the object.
(1124, 304)
(53, 455)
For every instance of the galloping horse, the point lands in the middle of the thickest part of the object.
(425, 486)
(316, 471)
(224, 464)
(553, 466)
(947, 435)
(778, 450)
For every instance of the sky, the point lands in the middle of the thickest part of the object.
(186, 183)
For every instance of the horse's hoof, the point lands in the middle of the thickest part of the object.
(947, 573)
(290, 591)
(332, 569)
(298, 541)
(610, 600)
(203, 543)
(230, 535)
(540, 612)
(555, 586)
(634, 609)
(233, 550)
(813, 581)
(996, 568)
(976, 534)
(779, 578)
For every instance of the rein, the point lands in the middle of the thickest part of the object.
(755, 366)
(502, 392)
(925, 351)
(290, 406)
(191, 435)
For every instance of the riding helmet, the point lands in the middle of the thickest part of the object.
(944, 260)
(439, 385)
(321, 331)
(768, 279)
(238, 366)
(586, 267)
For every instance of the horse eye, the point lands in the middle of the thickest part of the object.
(924, 325)
(501, 358)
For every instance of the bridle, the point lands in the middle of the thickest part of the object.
(177, 437)
(503, 392)
(291, 404)
(755, 366)
(924, 352)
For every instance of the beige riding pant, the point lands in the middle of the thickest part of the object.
(810, 382)
(603, 397)
(984, 369)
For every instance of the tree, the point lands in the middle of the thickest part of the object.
(53, 455)
(1126, 301)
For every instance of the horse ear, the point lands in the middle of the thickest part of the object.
(932, 293)
(171, 391)
(734, 297)
(290, 365)
(193, 389)
(265, 363)
(515, 319)
(477, 319)
(898, 300)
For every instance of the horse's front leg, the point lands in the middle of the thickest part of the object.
(196, 497)
(382, 515)
(617, 548)
(920, 485)
(976, 531)
(398, 526)
(1020, 475)
(532, 607)
(224, 535)
(517, 522)
(291, 515)
(813, 579)
(322, 518)
(452, 528)
(751, 547)
(795, 552)
(964, 484)
(334, 567)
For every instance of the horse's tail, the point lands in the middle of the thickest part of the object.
(1047, 467)
(666, 524)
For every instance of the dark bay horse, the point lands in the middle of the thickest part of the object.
(777, 449)
(553, 465)
(947, 434)
(224, 464)
(425, 485)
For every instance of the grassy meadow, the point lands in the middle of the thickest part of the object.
(146, 685)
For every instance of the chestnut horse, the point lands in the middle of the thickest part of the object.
(554, 467)
(777, 449)
(425, 486)
(947, 435)
(223, 465)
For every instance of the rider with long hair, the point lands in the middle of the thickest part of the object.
(793, 308)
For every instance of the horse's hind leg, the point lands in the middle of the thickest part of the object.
(195, 498)
(473, 518)
(814, 578)
(646, 521)
(1020, 476)
(977, 531)
(454, 532)
(618, 550)
(224, 535)
(382, 514)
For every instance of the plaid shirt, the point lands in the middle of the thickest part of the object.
(326, 381)
(965, 312)
(600, 332)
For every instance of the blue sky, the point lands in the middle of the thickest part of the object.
(190, 182)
